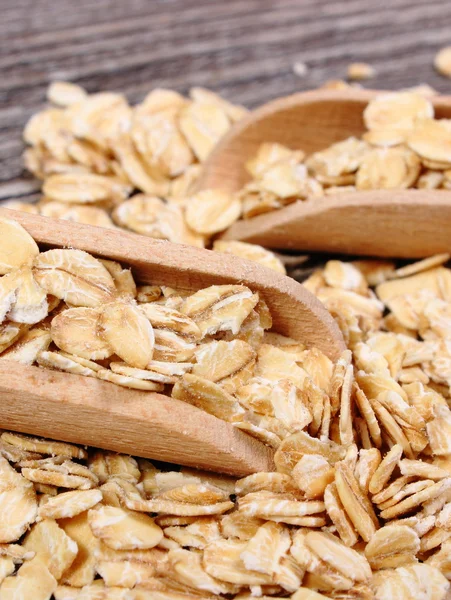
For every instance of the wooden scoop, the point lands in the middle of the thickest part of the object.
(87, 411)
(401, 223)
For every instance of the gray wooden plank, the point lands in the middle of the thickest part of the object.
(244, 49)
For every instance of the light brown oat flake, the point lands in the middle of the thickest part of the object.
(385, 469)
(392, 546)
(150, 374)
(84, 189)
(81, 572)
(345, 423)
(124, 574)
(296, 445)
(439, 429)
(430, 180)
(60, 477)
(64, 93)
(52, 545)
(266, 548)
(251, 252)
(304, 593)
(151, 216)
(33, 580)
(342, 158)
(222, 560)
(26, 301)
(442, 61)
(18, 506)
(69, 504)
(159, 142)
(388, 168)
(220, 308)
(217, 361)
(209, 396)
(189, 570)
(338, 516)
(355, 502)
(345, 560)
(124, 530)
(171, 347)
(77, 331)
(74, 276)
(345, 276)
(197, 534)
(397, 110)
(235, 112)
(273, 482)
(384, 138)
(17, 247)
(312, 475)
(359, 71)
(10, 333)
(43, 446)
(288, 180)
(268, 155)
(427, 491)
(430, 139)
(195, 493)
(144, 176)
(275, 364)
(148, 293)
(203, 124)
(129, 380)
(367, 464)
(123, 279)
(212, 211)
(400, 582)
(28, 347)
(267, 504)
(422, 265)
(15, 552)
(128, 333)
(170, 319)
(65, 362)
(7, 567)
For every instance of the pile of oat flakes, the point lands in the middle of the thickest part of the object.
(105, 163)
(359, 506)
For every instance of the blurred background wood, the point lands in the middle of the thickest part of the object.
(244, 49)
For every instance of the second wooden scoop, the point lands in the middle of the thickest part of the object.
(87, 411)
(398, 223)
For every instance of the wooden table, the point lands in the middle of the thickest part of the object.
(243, 49)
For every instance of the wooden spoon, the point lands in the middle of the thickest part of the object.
(87, 411)
(402, 223)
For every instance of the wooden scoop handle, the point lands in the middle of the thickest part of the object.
(83, 410)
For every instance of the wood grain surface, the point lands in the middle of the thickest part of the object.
(243, 49)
